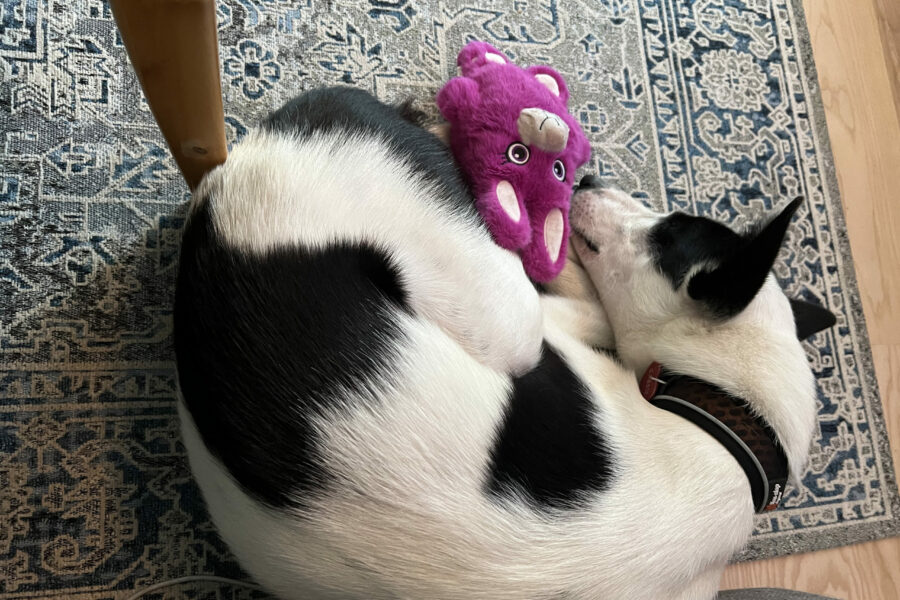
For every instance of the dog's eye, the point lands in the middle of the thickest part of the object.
(518, 153)
(587, 241)
(559, 170)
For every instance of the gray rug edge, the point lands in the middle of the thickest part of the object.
(849, 533)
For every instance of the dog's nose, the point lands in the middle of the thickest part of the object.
(590, 181)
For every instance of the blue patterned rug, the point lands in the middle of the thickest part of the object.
(710, 105)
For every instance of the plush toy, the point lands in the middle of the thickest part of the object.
(513, 137)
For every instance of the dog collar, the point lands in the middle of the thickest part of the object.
(728, 419)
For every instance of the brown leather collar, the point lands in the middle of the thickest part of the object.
(729, 420)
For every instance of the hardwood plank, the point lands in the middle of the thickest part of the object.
(889, 23)
(863, 572)
(864, 130)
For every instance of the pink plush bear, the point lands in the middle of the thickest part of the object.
(519, 147)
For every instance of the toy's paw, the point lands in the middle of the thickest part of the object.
(478, 54)
(545, 256)
(504, 212)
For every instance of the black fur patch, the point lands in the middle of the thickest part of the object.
(731, 286)
(353, 110)
(263, 344)
(409, 112)
(548, 448)
(680, 241)
(738, 263)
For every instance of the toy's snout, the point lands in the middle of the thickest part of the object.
(544, 129)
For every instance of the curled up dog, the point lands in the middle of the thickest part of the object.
(377, 403)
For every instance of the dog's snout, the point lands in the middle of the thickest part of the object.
(590, 181)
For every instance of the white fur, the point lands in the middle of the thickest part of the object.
(406, 516)
(412, 520)
(277, 190)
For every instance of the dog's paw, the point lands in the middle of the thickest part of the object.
(507, 333)
(497, 315)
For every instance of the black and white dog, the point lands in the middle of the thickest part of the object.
(377, 403)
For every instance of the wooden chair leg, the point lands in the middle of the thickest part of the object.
(173, 47)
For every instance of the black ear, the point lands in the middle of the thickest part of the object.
(811, 318)
(729, 288)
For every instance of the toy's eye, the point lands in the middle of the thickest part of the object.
(518, 153)
(559, 170)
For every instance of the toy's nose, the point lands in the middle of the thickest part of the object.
(544, 129)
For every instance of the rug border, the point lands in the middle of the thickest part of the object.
(849, 532)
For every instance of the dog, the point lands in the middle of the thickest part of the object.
(377, 403)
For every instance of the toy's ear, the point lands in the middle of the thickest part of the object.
(477, 54)
(458, 99)
(552, 80)
(811, 318)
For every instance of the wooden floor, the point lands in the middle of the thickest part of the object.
(856, 44)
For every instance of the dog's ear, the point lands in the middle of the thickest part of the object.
(728, 288)
(811, 318)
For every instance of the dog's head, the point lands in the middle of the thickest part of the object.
(652, 269)
(697, 296)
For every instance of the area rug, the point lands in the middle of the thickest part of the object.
(710, 106)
